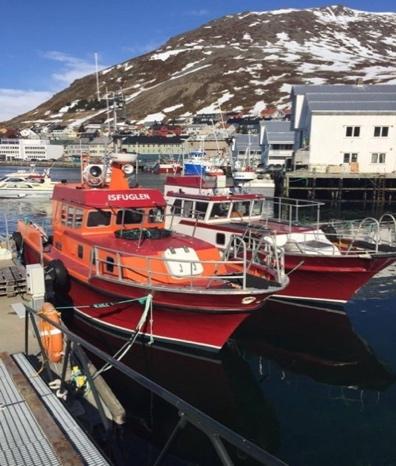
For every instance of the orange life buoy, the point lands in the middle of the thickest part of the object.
(50, 336)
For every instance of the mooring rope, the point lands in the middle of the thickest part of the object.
(148, 311)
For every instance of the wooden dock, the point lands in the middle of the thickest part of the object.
(367, 188)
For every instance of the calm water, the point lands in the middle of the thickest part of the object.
(315, 387)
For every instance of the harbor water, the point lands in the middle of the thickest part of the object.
(314, 386)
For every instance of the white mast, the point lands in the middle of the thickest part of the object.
(97, 76)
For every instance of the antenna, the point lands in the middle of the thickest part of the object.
(97, 76)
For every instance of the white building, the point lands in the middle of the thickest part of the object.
(29, 150)
(97, 147)
(277, 141)
(247, 146)
(345, 128)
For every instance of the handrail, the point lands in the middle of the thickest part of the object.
(148, 270)
(214, 430)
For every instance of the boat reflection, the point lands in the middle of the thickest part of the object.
(317, 342)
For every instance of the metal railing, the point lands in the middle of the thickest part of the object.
(376, 233)
(217, 434)
(151, 276)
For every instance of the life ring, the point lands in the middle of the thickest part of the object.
(51, 337)
(59, 276)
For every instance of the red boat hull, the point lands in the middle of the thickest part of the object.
(329, 279)
(207, 331)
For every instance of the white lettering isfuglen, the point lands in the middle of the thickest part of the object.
(128, 197)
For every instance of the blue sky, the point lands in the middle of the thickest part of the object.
(47, 44)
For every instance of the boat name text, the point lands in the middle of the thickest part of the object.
(128, 197)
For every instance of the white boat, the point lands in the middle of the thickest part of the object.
(21, 184)
(246, 177)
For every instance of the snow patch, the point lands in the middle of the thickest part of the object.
(171, 109)
(215, 106)
(153, 117)
(258, 108)
(163, 56)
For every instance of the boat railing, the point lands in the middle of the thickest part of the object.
(375, 233)
(154, 271)
(291, 210)
(262, 249)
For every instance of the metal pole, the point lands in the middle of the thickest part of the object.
(44, 354)
(180, 425)
(220, 450)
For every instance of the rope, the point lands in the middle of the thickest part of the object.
(148, 311)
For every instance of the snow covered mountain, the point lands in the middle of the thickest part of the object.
(241, 62)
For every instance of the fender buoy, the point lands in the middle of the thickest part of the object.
(50, 336)
(59, 276)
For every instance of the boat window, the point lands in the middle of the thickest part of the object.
(200, 209)
(99, 218)
(80, 251)
(78, 217)
(257, 208)
(188, 209)
(70, 216)
(220, 210)
(220, 239)
(109, 264)
(240, 209)
(177, 207)
(129, 216)
(63, 215)
(156, 215)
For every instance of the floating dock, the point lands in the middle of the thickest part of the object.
(29, 434)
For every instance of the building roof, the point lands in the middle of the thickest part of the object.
(353, 106)
(343, 88)
(278, 132)
(348, 98)
(152, 140)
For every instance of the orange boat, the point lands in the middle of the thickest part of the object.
(110, 242)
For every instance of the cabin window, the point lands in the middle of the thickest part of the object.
(257, 208)
(80, 251)
(156, 215)
(99, 218)
(177, 207)
(69, 216)
(220, 210)
(188, 209)
(78, 217)
(63, 215)
(129, 216)
(240, 209)
(200, 209)
(220, 239)
(110, 264)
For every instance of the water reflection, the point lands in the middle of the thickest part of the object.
(292, 378)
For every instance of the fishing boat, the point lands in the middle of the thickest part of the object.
(26, 183)
(110, 245)
(324, 264)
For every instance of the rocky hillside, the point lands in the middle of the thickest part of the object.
(239, 62)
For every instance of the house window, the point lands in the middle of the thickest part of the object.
(350, 157)
(378, 157)
(381, 131)
(352, 131)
